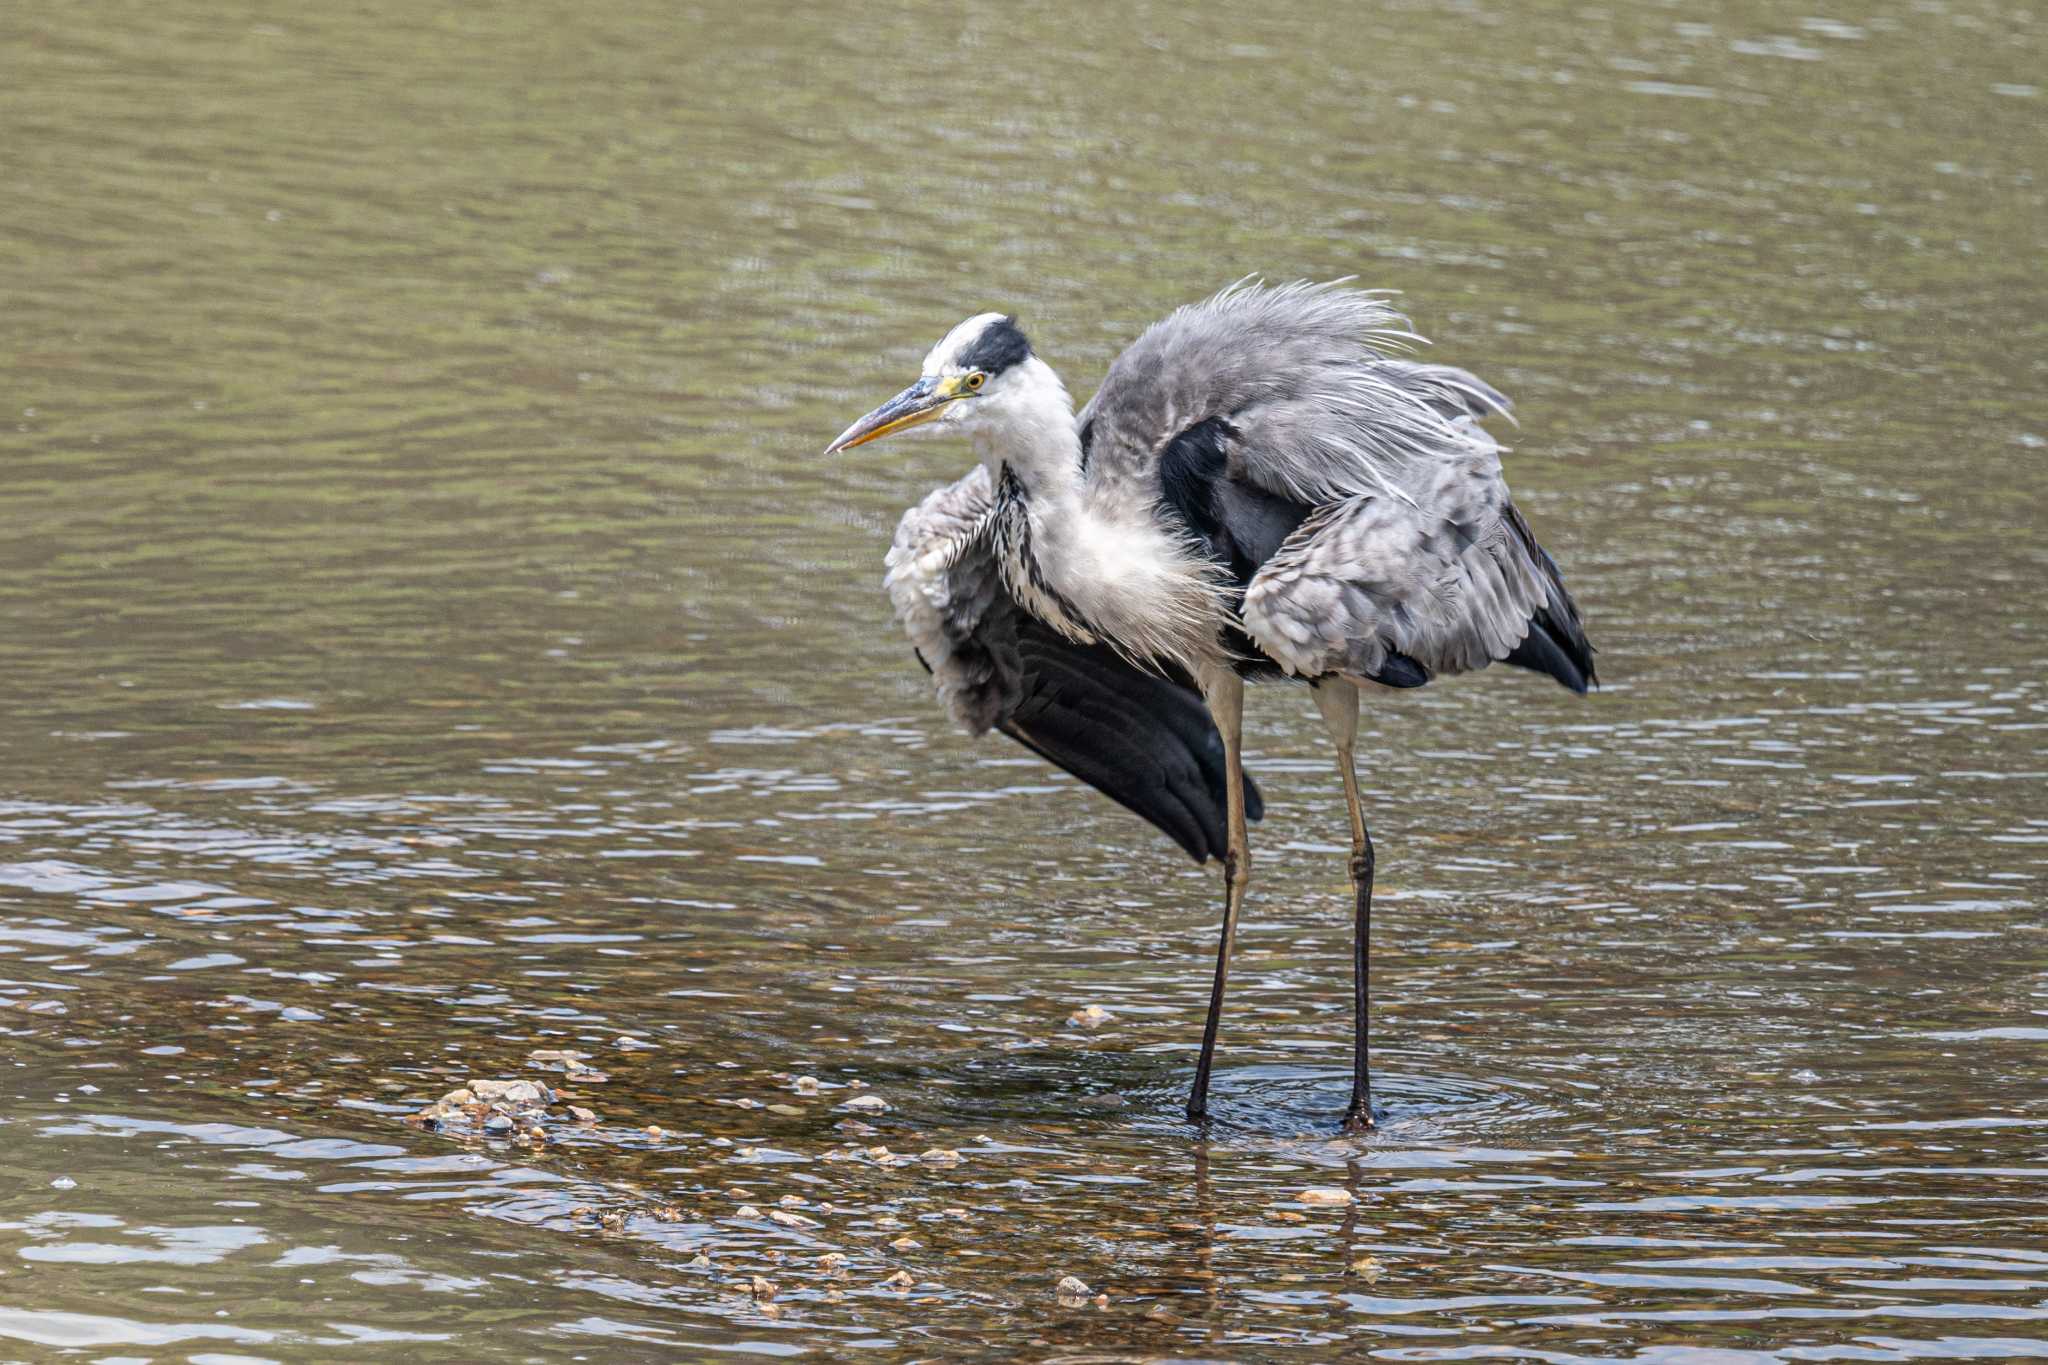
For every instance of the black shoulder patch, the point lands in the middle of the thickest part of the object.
(1190, 464)
(1001, 344)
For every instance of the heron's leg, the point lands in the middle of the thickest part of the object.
(1338, 701)
(1224, 691)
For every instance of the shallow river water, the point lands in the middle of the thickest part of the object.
(431, 637)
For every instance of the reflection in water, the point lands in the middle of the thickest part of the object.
(435, 644)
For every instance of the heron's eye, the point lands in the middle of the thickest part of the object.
(975, 381)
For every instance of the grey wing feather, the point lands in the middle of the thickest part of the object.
(1141, 738)
(1399, 535)
(1319, 407)
(943, 580)
(1447, 576)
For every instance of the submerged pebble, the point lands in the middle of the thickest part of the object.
(1090, 1016)
(1072, 1289)
(1326, 1195)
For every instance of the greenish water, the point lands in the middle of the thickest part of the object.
(430, 635)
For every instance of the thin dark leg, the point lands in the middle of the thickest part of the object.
(1224, 692)
(1358, 1115)
(1338, 701)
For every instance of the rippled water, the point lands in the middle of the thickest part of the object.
(431, 637)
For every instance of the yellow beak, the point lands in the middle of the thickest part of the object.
(922, 402)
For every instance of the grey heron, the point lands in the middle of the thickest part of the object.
(1264, 485)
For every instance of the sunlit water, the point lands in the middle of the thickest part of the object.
(431, 636)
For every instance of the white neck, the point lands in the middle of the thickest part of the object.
(1130, 579)
(1029, 428)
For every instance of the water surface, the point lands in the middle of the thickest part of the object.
(431, 637)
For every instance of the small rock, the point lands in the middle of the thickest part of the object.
(459, 1097)
(1073, 1289)
(867, 1104)
(788, 1111)
(906, 1243)
(806, 1085)
(791, 1220)
(1326, 1195)
(653, 1130)
(614, 1220)
(497, 1123)
(746, 1211)
(1100, 1300)
(1090, 1016)
(1368, 1267)
(941, 1156)
(832, 1262)
(63, 1182)
(760, 1288)
(699, 1261)
(791, 1201)
(902, 1279)
(581, 1115)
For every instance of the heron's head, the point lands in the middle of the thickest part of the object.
(974, 374)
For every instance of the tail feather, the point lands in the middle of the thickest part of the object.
(1556, 643)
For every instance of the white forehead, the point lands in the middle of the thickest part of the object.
(945, 355)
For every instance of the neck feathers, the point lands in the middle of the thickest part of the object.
(1031, 432)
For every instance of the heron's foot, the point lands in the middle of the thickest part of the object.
(1198, 1111)
(1358, 1118)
